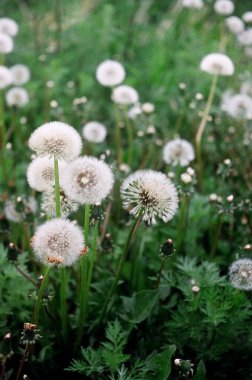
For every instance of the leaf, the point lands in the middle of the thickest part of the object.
(140, 305)
(201, 372)
(162, 363)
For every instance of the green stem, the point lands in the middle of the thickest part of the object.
(63, 274)
(118, 142)
(201, 129)
(83, 286)
(111, 291)
(91, 266)
(161, 271)
(130, 136)
(40, 295)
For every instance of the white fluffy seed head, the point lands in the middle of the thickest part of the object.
(224, 7)
(125, 95)
(240, 274)
(245, 37)
(148, 107)
(17, 96)
(197, 4)
(15, 214)
(58, 242)
(237, 106)
(5, 77)
(40, 173)
(247, 17)
(20, 74)
(134, 111)
(151, 193)
(48, 204)
(234, 24)
(8, 26)
(178, 152)
(217, 63)
(87, 180)
(110, 73)
(56, 139)
(94, 132)
(6, 43)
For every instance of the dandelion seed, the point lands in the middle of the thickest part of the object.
(58, 242)
(125, 95)
(8, 26)
(240, 274)
(224, 7)
(20, 74)
(217, 64)
(17, 96)
(94, 132)
(56, 139)
(87, 180)
(151, 193)
(40, 173)
(6, 43)
(5, 77)
(110, 73)
(178, 152)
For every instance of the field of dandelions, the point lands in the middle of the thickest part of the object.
(126, 183)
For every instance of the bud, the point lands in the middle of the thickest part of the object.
(195, 289)
(213, 197)
(186, 178)
(167, 249)
(185, 367)
(29, 335)
(230, 198)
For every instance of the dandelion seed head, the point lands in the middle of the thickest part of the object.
(40, 173)
(134, 111)
(197, 4)
(110, 73)
(245, 37)
(178, 152)
(240, 274)
(56, 139)
(186, 178)
(16, 215)
(217, 64)
(48, 204)
(94, 132)
(247, 17)
(125, 95)
(234, 24)
(224, 7)
(58, 242)
(6, 43)
(5, 77)
(8, 26)
(151, 193)
(238, 106)
(87, 180)
(20, 74)
(148, 107)
(17, 96)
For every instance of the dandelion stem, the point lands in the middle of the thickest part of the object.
(161, 271)
(40, 295)
(63, 275)
(201, 129)
(131, 234)
(130, 136)
(118, 142)
(83, 287)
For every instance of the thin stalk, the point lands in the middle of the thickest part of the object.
(130, 137)
(161, 271)
(22, 361)
(91, 266)
(118, 139)
(40, 295)
(111, 291)
(201, 129)
(2, 137)
(83, 286)
(63, 274)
